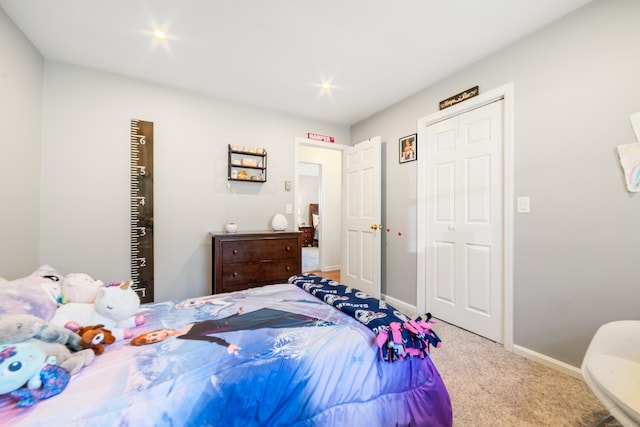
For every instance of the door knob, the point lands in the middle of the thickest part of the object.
(375, 226)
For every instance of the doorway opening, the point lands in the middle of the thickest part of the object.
(308, 198)
(318, 172)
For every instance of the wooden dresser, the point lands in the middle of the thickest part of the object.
(251, 259)
(307, 235)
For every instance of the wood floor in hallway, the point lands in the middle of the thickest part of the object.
(333, 275)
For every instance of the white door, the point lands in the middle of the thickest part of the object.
(464, 220)
(361, 213)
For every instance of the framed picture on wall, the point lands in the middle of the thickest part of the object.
(409, 148)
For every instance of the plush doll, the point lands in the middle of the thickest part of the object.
(29, 374)
(115, 307)
(20, 364)
(50, 281)
(96, 337)
(49, 273)
(18, 328)
(71, 361)
(79, 287)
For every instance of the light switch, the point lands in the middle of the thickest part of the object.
(287, 186)
(523, 204)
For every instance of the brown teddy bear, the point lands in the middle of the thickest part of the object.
(95, 337)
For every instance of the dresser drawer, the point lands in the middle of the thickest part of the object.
(307, 235)
(247, 260)
(258, 250)
(278, 271)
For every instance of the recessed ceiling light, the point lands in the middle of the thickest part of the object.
(326, 86)
(160, 35)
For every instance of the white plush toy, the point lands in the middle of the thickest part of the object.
(49, 279)
(115, 307)
(80, 287)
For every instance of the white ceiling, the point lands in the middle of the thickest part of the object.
(276, 53)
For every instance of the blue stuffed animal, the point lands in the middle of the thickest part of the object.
(28, 374)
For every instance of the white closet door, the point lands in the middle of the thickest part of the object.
(464, 220)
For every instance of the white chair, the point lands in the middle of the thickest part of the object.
(611, 369)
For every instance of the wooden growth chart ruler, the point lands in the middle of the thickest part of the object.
(142, 208)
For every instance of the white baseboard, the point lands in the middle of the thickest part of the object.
(408, 309)
(548, 361)
(563, 367)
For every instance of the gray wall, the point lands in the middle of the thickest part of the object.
(85, 200)
(575, 256)
(72, 209)
(308, 192)
(21, 69)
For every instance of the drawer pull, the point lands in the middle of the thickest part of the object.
(235, 274)
(235, 252)
(288, 268)
(288, 248)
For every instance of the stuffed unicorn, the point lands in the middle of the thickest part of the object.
(115, 307)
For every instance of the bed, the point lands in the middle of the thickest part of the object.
(280, 356)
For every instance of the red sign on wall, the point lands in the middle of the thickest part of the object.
(318, 137)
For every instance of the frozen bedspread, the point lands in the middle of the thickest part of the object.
(271, 356)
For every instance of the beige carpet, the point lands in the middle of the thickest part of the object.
(490, 386)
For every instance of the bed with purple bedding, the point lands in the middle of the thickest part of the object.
(271, 356)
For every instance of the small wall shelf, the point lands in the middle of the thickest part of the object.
(247, 164)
